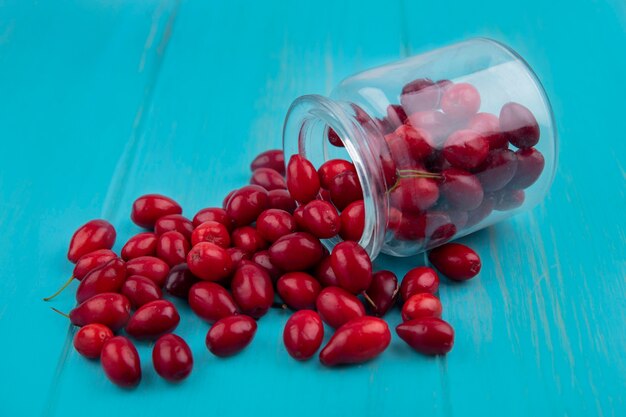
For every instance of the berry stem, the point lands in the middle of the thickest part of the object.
(413, 173)
(60, 290)
(60, 312)
(369, 300)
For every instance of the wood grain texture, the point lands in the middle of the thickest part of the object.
(103, 101)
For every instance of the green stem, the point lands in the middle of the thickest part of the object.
(60, 290)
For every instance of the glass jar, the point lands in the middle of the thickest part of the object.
(444, 143)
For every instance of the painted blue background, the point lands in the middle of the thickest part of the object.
(101, 101)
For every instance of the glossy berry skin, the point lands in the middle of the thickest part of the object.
(382, 292)
(149, 267)
(107, 278)
(91, 236)
(352, 267)
(303, 182)
(427, 335)
(420, 94)
(281, 199)
(227, 199)
(337, 306)
(172, 247)
(148, 208)
(460, 100)
(175, 223)
(213, 214)
(331, 168)
(252, 289)
(461, 190)
(237, 255)
(414, 142)
(140, 290)
(466, 149)
(268, 179)
(325, 274)
(273, 224)
(153, 320)
(530, 164)
(320, 218)
(179, 281)
(248, 238)
(414, 194)
(498, 169)
(344, 189)
(488, 125)
(120, 361)
(109, 309)
(421, 305)
(419, 280)
(298, 290)
(456, 261)
(303, 334)
(352, 220)
(211, 231)
(172, 358)
(142, 244)
(357, 341)
(273, 159)
(89, 339)
(230, 335)
(519, 126)
(296, 252)
(262, 258)
(246, 204)
(91, 261)
(209, 262)
(211, 301)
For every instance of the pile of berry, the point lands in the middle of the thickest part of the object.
(232, 264)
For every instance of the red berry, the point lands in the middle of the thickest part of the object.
(460, 100)
(462, 190)
(252, 289)
(214, 214)
(466, 149)
(211, 231)
(91, 236)
(107, 278)
(530, 164)
(420, 94)
(456, 261)
(419, 280)
(149, 267)
(298, 290)
(142, 244)
(90, 339)
(179, 281)
(434, 122)
(476, 216)
(246, 204)
(415, 195)
(140, 290)
(148, 208)
(303, 334)
(209, 262)
(334, 138)
(153, 320)
(382, 292)
(227, 199)
(352, 266)
(344, 189)
(427, 335)
(509, 199)
(396, 116)
(320, 218)
(273, 159)
(332, 168)
(303, 182)
(211, 301)
(498, 170)
(268, 179)
(172, 247)
(352, 220)
(337, 306)
(273, 224)
(325, 274)
(357, 341)
(230, 335)
(519, 126)
(176, 223)
(248, 239)
(296, 252)
(172, 358)
(418, 143)
(421, 305)
(262, 258)
(488, 125)
(110, 309)
(281, 199)
(120, 361)
(91, 261)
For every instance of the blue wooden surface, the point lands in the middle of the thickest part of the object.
(101, 101)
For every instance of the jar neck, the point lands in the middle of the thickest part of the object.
(306, 131)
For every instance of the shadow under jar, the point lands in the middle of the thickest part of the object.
(444, 143)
